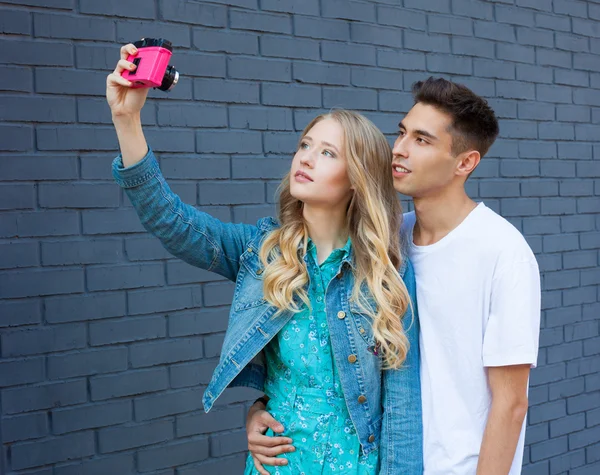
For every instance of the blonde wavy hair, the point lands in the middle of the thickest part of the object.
(373, 219)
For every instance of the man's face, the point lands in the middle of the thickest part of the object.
(423, 163)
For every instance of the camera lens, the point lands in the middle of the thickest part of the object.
(169, 79)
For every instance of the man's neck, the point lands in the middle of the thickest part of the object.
(438, 215)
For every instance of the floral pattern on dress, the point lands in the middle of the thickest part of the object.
(305, 390)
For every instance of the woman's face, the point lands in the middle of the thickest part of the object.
(319, 175)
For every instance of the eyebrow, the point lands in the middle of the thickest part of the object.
(424, 133)
(327, 144)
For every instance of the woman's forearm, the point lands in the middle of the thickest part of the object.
(131, 139)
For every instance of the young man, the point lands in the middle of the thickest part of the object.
(478, 293)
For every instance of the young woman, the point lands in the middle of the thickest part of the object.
(319, 305)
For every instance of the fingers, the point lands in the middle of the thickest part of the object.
(258, 466)
(270, 451)
(268, 420)
(124, 65)
(127, 50)
(116, 79)
(270, 460)
(256, 438)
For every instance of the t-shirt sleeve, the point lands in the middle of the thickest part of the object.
(511, 336)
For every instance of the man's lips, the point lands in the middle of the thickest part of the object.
(301, 176)
(399, 168)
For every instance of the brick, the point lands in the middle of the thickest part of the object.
(31, 283)
(533, 37)
(572, 460)
(44, 340)
(226, 91)
(493, 69)
(16, 138)
(224, 41)
(397, 102)
(579, 296)
(73, 27)
(558, 206)
(376, 35)
(590, 277)
(360, 99)
(347, 54)
(564, 242)
(91, 416)
(517, 129)
(539, 188)
(536, 111)
(15, 22)
(127, 330)
(87, 363)
(139, 435)
(192, 374)
(585, 61)
(402, 60)
(541, 225)
(20, 312)
(572, 43)
(166, 404)
(586, 437)
(170, 351)
(129, 383)
(288, 48)
(514, 15)
(194, 13)
(276, 142)
(533, 73)
(555, 131)
(78, 195)
(116, 8)
(111, 221)
(181, 453)
(569, 113)
(571, 8)
(326, 74)
(32, 454)
(75, 138)
(308, 7)
(553, 22)
(449, 64)
(578, 260)
(586, 28)
(219, 293)
(160, 300)
(515, 90)
(17, 197)
(85, 307)
(348, 10)
(120, 463)
(285, 95)
(225, 444)
(566, 352)
(473, 9)
(428, 43)
(182, 167)
(321, 28)
(516, 53)
(494, 31)
(552, 447)
(587, 205)
(128, 29)
(267, 22)
(29, 426)
(553, 57)
(590, 240)
(571, 78)
(437, 6)
(45, 396)
(100, 251)
(37, 109)
(206, 320)
(215, 421)
(401, 18)
(38, 53)
(265, 69)
(125, 276)
(18, 254)
(22, 371)
(547, 93)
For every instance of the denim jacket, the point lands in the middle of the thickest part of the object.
(385, 406)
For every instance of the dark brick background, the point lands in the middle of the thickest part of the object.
(107, 343)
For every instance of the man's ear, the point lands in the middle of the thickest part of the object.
(467, 162)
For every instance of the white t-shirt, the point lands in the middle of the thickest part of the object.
(478, 295)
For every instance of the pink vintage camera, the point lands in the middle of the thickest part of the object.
(152, 61)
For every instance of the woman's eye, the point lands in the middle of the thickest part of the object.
(327, 153)
(303, 145)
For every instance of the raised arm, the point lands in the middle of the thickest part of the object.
(184, 231)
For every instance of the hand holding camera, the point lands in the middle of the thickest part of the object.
(143, 64)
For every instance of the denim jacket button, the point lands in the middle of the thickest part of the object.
(259, 271)
(362, 399)
(250, 249)
(371, 438)
(352, 359)
(341, 314)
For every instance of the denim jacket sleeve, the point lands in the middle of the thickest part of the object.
(401, 448)
(187, 233)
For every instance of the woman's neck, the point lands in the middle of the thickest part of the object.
(327, 228)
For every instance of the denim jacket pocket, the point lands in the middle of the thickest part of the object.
(249, 286)
(363, 321)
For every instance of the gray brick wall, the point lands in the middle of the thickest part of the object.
(107, 342)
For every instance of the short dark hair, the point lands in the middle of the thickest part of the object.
(474, 124)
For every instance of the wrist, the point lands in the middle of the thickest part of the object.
(127, 120)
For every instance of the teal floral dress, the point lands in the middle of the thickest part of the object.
(305, 390)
